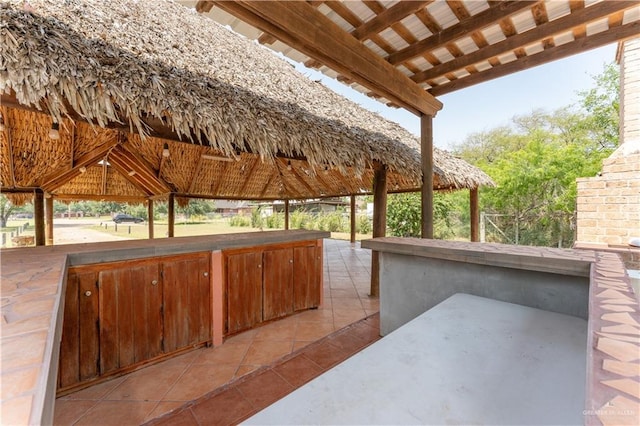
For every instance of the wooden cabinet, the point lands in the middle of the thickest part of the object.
(270, 282)
(120, 315)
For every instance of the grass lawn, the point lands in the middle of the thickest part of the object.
(186, 229)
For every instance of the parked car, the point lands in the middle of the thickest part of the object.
(122, 217)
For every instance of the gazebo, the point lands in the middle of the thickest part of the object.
(180, 109)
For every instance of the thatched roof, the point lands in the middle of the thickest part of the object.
(124, 77)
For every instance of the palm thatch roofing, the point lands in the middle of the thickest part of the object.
(125, 79)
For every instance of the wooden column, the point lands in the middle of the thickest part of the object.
(171, 213)
(474, 214)
(286, 214)
(426, 151)
(38, 211)
(48, 219)
(353, 219)
(150, 215)
(379, 221)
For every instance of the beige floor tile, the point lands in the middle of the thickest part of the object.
(284, 329)
(199, 380)
(69, 411)
(117, 413)
(147, 384)
(313, 330)
(231, 352)
(96, 392)
(265, 352)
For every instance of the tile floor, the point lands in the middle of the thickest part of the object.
(287, 351)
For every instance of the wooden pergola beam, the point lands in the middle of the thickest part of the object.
(551, 54)
(469, 25)
(389, 17)
(558, 26)
(304, 28)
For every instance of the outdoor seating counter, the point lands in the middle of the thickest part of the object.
(32, 283)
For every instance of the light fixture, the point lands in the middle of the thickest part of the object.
(288, 164)
(83, 169)
(215, 157)
(54, 133)
(165, 150)
(132, 172)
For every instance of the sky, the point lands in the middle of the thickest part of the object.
(494, 103)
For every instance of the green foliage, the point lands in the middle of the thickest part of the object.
(363, 224)
(536, 163)
(299, 219)
(6, 208)
(332, 222)
(256, 218)
(404, 215)
(240, 221)
(275, 221)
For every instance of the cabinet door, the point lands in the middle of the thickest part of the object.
(307, 279)
(277, 283)
(130, 315)
(187, 301)
(243, 291)
(79, 348)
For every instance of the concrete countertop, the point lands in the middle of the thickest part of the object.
(32, 291)
(542, 259)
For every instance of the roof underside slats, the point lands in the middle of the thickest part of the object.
(441, 45)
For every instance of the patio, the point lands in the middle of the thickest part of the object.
(209, 377)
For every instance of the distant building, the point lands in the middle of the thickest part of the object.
(232, 208)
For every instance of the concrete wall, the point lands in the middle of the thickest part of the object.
(410, 285)
(608, 206)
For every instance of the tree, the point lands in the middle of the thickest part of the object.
(404, 215)
(6, 208)
(536, 161)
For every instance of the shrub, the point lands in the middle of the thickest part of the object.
(363, 224)
(275, 221)
(240, 221)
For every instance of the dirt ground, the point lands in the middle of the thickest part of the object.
(72, 231)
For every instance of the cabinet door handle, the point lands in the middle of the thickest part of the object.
(87, 293)
(259, 265)
(206, 274)
(154, 282)
(290, 260)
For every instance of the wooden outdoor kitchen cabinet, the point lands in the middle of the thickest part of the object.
(268, 282)
(123, 314)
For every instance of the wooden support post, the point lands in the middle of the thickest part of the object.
(286, 214)
(426, 152)
(171, 212)
(474, 215)
(353, 219)
(150, 216)
(38, 211)
(379, 221)
(48, 219)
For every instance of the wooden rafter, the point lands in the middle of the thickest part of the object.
(549, 55)
(137, 171)
(59, 178)
(268, 184)
(215, 186)
(558, 26)
(469, 25)
(296, 175)
(309, 31)
(247, 179)
(388, 17)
